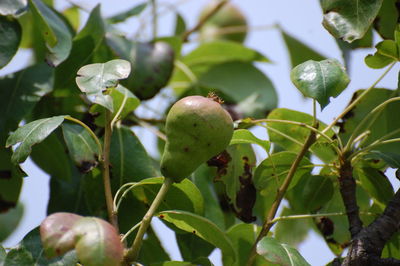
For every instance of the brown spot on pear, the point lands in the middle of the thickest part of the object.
(203, 127)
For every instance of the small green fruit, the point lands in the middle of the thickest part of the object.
(152, 65)
(228, 16)
(197, 128)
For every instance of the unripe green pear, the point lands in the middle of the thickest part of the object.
(227, 17)
(197, 129)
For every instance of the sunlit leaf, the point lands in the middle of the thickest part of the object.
(281, 254)
(320, 80)
(349, 19)
(30, 134)
(93, 79)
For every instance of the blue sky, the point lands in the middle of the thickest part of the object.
(302, 19)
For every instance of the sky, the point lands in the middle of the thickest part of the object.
(301, 19)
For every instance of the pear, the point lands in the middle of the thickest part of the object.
(197, 129)
(229, 16)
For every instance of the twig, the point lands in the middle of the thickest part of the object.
(280, 194)
(203, 20)
(106, 172)
(133, 253)
(356, 101)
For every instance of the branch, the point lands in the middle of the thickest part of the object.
(203, 20)
(348, 191)
(367, 246)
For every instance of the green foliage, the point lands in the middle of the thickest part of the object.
(320, 80)
(349, 20)
(227, 193)
(281, 254)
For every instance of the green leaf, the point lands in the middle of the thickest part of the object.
(375, 183)
(237, 176)
(180, 25)
(298, 51)
(314, 192)
(281, 254)
(134, 11)
(10, 181)
(10, 221)
(203, 178)
(201, 227)
(386, 53)
(50, 155)
(32, 247)
(181, 196)
(54, 32)
(81, 146)
(379, 125)
(30, 134)
(349, 19)
(93, 79)
(10, 34)
(341, 234)
(271, 172)
(121, 97)
(292, 137)
(19, 92)
(152, 250)
(13, 7)
(320, 80)
(18, 256)
(387, 19)
(129, 159)
(193, 247)
(245, 84)
(218, 52)
(3, 255)
(294, 231)
(243, 237)
(85, 44)
(241, 136)
(391, 158)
